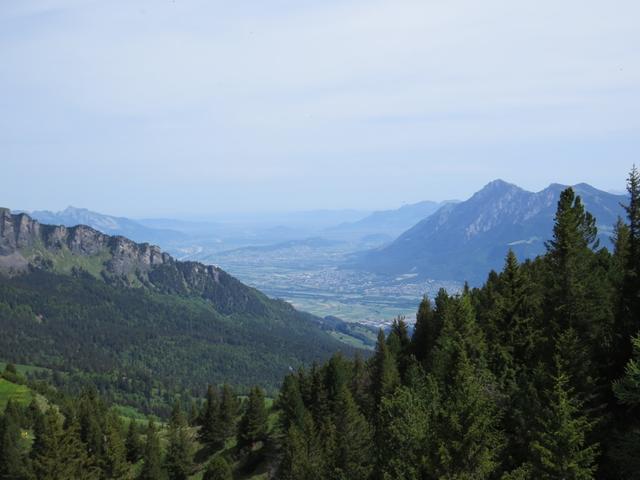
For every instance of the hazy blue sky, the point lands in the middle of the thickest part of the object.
(165, 107)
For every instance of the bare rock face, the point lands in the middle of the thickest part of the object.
(123, 261)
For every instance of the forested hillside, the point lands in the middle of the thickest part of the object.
(535, 375)
(139, 325)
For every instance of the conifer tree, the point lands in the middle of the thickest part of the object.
(253, 425)
(399, 344)
(561, 449)
(464, 438)
(302, 452)
(402, 433)
(210, 418)
(58, 452)
(228, 411)
(628, 251)
(352, 455)
(152, 467)
(13, 464)
(180, 449)
(114, 463)
(384, 375)
(133, 442)
(626, 450)
(290, 403)
(218, 469)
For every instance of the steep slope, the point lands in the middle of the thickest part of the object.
(389, 223)
(74, 298)
(463, 241)
(107, 224)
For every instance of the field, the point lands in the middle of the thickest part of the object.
(15, 392)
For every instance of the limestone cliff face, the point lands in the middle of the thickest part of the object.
(25, 243)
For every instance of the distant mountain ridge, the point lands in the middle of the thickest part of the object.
(463, 241)
(108, 224)
(389, 223)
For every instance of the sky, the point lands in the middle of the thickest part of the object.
(196, 107)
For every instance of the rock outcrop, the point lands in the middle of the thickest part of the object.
(26, 243)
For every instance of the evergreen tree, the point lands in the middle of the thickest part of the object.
(464, 438)
(628, 251)
(13, 464)
(253, 425)
(302, 452)
(384, 376)
(403, 426)
(290, 403)
(133, 442)
(225, 426)
(561, 449)
(218, 469)
(58, 453)
(152, 456)
(353, 456)
(626, 450)
(180, 449)
(114, 464)
(210, 418)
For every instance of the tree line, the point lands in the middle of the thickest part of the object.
(535, 375)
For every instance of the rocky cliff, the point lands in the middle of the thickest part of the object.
(25, 243)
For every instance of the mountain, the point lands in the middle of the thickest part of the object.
(463, 241)
(75, 299)
(384, 225)
(108, 224)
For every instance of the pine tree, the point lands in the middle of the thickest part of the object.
(114, 463)
(626, 450)
(218, 469)
(253, 425)
(353, 456)
(13, 465)
(179, 457)
(58, 452)
(403, 426)
(464, 438)
(628, 251)
(210, 418)
(133, 443)
(290, 404)
(399, 345)
(302, 452)
(225, 426)
(152, 456)
(561, 449)
(384, 375)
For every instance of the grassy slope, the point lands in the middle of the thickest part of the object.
(12, 391)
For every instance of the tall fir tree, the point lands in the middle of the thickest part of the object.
(352, 457)
(210, 418)
(58, 452)
(626, 449)
(464, 437)
(385, 377)
(253, 426)
(562, 449)
(13, 462)
(180, 449)
(152, 466)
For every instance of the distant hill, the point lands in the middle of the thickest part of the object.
(463, 241)
(73, 298)
(385, 224)
(107, 224)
